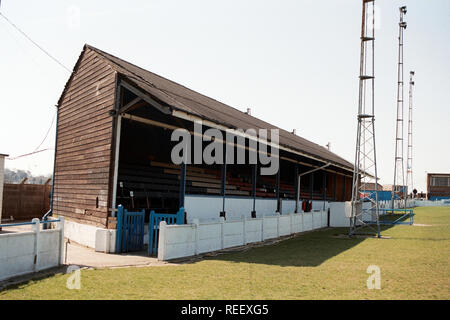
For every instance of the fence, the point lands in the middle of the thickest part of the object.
(176, 241)
(431, 203)
(25, 201)
(153, 226)
(130, 230)
(27, 252)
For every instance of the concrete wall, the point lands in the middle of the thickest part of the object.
(27, 252)
(176, 241)
(338, 217)
(100, 239)
(207, 208)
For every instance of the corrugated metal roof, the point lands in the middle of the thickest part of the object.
(187, 100)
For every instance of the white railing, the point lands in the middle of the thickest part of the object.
(177, 241)
(31, 251)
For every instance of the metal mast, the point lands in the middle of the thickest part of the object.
(365, 211)
(409, 171)
(399, 171)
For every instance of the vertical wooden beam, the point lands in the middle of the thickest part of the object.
(311, 185)
(116, 163)
(117, 127)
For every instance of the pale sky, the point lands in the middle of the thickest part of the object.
(295, 63)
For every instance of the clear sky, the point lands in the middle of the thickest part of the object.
(295, 63)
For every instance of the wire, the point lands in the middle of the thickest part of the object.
(33, 42)
(60, 64)
(46, 135)
(29, 154)
(36, 150)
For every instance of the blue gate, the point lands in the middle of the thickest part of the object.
(153, 227)
(130, 230)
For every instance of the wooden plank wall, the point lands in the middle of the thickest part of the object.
(85, 131)
(25, 201)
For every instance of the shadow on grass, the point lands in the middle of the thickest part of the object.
(20, 281)
(304, 250)
(398, 217)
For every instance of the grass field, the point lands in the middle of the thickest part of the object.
(414, 264)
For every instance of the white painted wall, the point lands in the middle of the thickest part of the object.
(83, 234)
(265, 207)
(100, 239)
(27, 252)
(207, 208)
(2, 181)
(338, 218)
(429, 203)
(307, 221)
(288, 206)
(176, 241)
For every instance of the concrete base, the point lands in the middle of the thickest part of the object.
(100, 239)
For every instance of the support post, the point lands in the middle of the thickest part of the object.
(182, 184)
(254, 175)
(118, 128)
(119, 229)
(61, 240)
(162, 240)
(196, 223)
(324, 186)
(278, 190)
(36, 230)
(297, 188)
(223, 190)
(222, 222)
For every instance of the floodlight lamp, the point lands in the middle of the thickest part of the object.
(403, 9)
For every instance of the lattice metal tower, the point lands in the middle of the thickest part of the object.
(365, 211)
(399, 171)
(409, 170)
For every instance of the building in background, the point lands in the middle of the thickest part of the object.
(371, 186)
(438, 186)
